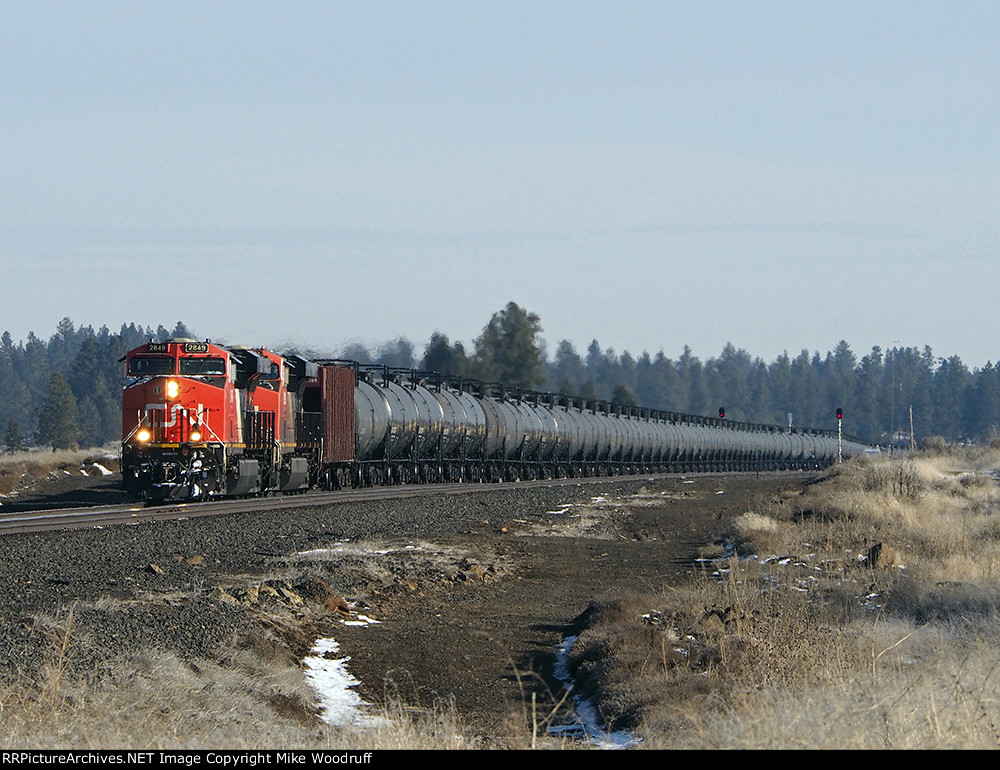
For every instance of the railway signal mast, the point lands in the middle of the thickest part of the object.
(840, 435)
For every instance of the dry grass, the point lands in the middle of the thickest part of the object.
(158, 701)
(859, 614)
(22, 468)
(253, 695)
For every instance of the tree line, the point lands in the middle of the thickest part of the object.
(875, 392)
(67, 391)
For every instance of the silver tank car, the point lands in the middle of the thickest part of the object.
(417, 427)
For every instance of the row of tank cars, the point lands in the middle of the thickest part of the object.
(201, 420)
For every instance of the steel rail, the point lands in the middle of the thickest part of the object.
(109, 515)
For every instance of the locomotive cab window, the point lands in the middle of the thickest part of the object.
(147, 366)
(209, 367)
(270, 379)
(211, 370)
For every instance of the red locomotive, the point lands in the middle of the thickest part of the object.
(200, 420)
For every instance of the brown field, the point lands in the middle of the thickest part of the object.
(859, 611)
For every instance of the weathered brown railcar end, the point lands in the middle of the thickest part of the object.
(337, 385)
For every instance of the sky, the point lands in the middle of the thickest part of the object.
(778, 175)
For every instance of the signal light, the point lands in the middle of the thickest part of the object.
(722, 413)
(840, 413)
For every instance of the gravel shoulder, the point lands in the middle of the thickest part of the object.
(472, 593)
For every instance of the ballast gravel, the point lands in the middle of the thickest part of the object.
(115, 589)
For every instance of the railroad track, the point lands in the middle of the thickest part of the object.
(136, 513)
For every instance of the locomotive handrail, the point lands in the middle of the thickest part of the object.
(209, 427)
(134, 430)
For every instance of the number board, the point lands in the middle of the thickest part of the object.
(195, 347)
(157, 347)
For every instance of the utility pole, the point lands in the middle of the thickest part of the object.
(890, 361)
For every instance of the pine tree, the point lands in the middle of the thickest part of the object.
(443, 357)
(57, 425)
(622, 395)
(13, 436)
(567, 370)
(508, 350)
(396, 354)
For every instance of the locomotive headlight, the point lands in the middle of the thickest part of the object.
(172, 389)
(143, 436)
(196, 435)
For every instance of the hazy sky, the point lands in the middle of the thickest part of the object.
(779, 175)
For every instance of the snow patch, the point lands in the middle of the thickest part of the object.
(588, 725)
(361, 620)
(344, 549)
(327, 674)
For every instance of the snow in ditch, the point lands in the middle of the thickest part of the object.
(327, 674)
(588, 725)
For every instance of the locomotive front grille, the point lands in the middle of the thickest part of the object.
(171, 426)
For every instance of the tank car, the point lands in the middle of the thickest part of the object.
(201, 420)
